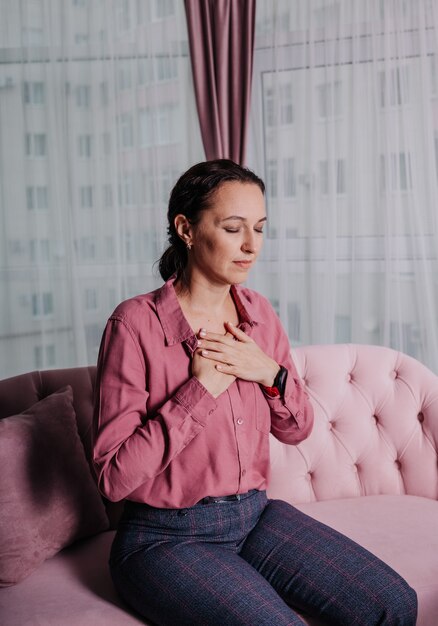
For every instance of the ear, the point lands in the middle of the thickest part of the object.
(183, 228)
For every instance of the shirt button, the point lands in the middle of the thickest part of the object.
(243, 472)
(240, 421)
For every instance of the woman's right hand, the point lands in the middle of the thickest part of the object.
(205, 371)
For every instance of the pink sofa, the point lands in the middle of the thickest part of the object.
(369, 469)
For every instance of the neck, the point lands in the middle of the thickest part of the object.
(200, 294)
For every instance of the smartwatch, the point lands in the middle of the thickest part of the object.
(279, 384)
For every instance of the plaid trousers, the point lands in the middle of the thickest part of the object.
(250, 563)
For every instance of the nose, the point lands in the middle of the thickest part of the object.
(249, 244)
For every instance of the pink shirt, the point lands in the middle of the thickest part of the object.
(159, 436)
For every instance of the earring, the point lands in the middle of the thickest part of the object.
(189, 246)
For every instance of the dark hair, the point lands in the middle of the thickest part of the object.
(192, 194)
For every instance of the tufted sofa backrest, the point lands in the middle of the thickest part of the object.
(375, 432)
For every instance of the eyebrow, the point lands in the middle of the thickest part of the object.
(242, 219)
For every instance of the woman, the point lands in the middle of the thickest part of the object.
(191, 379)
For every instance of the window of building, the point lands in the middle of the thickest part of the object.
(163, 9)
(84, 146)
(108, 195)
(39, 250)
(87, 248)
(394, 87)
(271, 177)
(127, 190)
(106, 142)
(42, 304)
(329, 98)
(90, 299)
(395, 172)
(36, 145)
(86, 196)
(44, 356)
(83, 96)
(37, 197)
(289, 179)
(34, 93)
(159, 126)
(327, 175)
(126, 130)
(167, 68)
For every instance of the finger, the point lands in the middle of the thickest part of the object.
(206, 334)
(218, 340)
(237, 333)
(215, 356)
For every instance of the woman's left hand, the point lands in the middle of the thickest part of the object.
(239, 355)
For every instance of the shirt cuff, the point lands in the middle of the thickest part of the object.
(196, 400)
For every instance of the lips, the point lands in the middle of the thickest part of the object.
(243, 264)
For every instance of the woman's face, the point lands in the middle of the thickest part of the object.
(229, 235)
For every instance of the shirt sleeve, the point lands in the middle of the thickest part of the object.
(129, 446)
(291, 413)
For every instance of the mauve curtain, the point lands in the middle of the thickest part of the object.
(221, 38)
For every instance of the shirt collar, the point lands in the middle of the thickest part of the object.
(175, 326)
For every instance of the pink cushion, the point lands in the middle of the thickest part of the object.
(401, 530)
(48, 497)
(375, 432)
(73, 588)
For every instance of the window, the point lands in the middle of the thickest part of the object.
(110, 247)
(271, 177)
(34, 93)
(84, 146)
(163, 9)
(32, 37)
(327, 175)
(289, 180)
(125, 76)
(127, 190)
(86, 197)
(44, 356)
(83, 96)
(42, 304)
(167, 68)
(145, 71)
(108, 195)
(36, 145)
(87, 248)
(90, 299)
(39, 250)
(106, 143)
(82, 38)
(286, 106)
(395, 172)
(37, 198)
(394, 87)
(126, 130)
(329, 100)
(159, 126)
(104, 94)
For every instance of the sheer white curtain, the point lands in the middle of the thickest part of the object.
(345, 128)
(97, 120)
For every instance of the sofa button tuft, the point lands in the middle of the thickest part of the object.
(349, 378)
(398, 464)
(420, 417)
(394, 374)
(376, 419)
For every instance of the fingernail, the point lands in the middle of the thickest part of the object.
(205, 352)
(199, 342)
(202, 332)
(230, 323)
